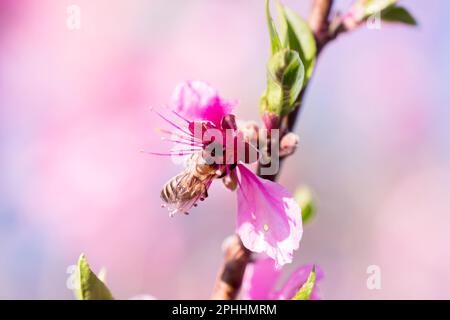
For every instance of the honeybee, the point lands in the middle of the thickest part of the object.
(184, 190)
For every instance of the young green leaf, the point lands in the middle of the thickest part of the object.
(285, 75)
(304, 198)
(398, 14)
(296, 35)
(275, 42)
(90, 286)
(305, 291)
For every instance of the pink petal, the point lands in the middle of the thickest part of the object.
(197, 100)
(268, 218)
(259, 280)
(296, 281)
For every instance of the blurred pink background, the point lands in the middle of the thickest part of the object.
(74, 114)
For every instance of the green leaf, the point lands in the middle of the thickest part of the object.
(305, 291)
(304, 198)
(372, 7)
(398, 14)
(90, 286)
(275, 42)
(285, 75)
(296, 35)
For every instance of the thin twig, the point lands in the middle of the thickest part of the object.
(319, 21)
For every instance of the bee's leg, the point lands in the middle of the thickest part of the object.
(203, 193)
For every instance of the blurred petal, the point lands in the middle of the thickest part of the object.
(268, 218)
(197, 100)
(259, 280)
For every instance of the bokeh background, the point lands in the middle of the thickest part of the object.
(74, 115)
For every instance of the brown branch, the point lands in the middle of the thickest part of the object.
(237, 257)
(319, 21)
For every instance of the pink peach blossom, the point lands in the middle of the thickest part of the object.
(268, 217)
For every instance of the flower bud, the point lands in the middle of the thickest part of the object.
(288, 144)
